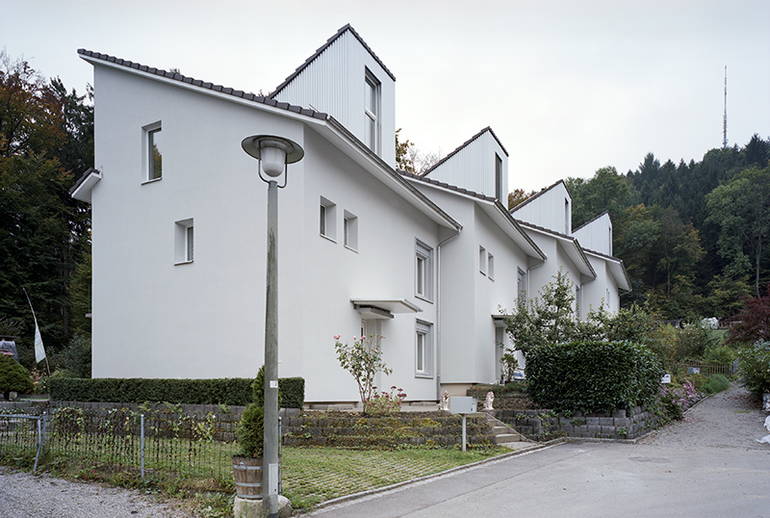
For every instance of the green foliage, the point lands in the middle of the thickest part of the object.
(13, 377)
(693, 341)
(509, 364)
(250, 431)
(363, 360)
(76, 357)
(716, 383)
(754, 367)
(753, 321)
(592, 376)
(291, 391)
(721, 354)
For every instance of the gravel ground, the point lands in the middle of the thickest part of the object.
(729, 419)
(23, 495)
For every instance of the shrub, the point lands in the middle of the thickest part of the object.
(693, 341)
(384, 403)
(363, 360)
(76, 357)
(720, 354)
(250, 431)
(716, 383)
(508, 364)
(754, 367)
(13, 377)
(593, 376)
(291, 391)
(227, 391)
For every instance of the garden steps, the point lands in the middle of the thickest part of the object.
(503, 433)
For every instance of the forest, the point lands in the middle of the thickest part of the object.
(693, 235)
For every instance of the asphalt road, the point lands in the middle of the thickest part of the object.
(708, 465)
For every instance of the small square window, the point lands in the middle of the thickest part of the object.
(351, 230)
(154, 152)
(184, 241)
(483, 260)
(327, 217)
(423, 275)
(491, 266)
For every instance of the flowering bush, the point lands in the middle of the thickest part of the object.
(386, 402)
(675, 400)
(362, 359)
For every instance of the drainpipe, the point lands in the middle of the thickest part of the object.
(438, 313)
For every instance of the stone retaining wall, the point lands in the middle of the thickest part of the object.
(545, 424)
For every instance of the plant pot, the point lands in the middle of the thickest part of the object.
(247, 474)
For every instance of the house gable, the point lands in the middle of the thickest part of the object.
(596, 234)
(551, 208)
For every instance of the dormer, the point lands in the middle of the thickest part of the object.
(480, 164)
(347, 80)
(551, 208)
(596, 234)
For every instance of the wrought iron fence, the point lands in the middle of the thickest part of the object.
(707, 369)
(22, 435)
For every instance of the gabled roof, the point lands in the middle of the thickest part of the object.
(493, 208)
(535, 196)
(342, 30)
(577, 248)
(326, 124)
(463, 145)
(591, 221)
(617, 267)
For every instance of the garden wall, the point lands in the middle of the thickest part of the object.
(545, 424)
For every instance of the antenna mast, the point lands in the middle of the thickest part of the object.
(724, 117)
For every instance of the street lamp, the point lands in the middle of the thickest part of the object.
(274, 155)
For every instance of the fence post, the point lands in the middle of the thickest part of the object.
(39, 442)
(141, 444)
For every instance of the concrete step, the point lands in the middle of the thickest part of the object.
(502, 438)
(496, 429)
(516, 445)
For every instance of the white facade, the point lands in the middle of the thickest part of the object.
(479, 165)
(550, 208)
(179, 243)
(596, 234)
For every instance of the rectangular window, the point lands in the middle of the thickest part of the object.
(184, 241)
(423, 351)
(482, 260)
(610, 241)
(372, 111)
(351, 230)
(491, 266)
(521, 287)
(499, 184)
(154, 153)
(578, 302)
(566, 216)
(423, 275)
(327, 215)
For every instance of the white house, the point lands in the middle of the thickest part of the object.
(179, 214)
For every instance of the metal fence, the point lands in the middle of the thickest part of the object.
(707, 369)
(139, 445)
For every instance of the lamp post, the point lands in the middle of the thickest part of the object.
(274, 155)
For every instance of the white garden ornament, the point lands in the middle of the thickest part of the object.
(766, 438)
(489, 400)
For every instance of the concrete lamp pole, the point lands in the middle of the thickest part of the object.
(274, 155)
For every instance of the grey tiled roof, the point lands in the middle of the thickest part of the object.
(321, 49)
(175, 76)
(449, 186)
(463, 145)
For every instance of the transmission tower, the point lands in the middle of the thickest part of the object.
(724, 116)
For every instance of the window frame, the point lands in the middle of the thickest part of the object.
(490, 266)
(425, 330)
(373, 85)
(521, 286)
(148, 166)
(499, 178)
(483, 260)
(327, 219)
(423, 255)
(350, 231)
(184, 241)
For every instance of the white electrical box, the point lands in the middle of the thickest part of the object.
(462, 405)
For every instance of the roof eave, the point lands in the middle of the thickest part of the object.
(83, 186)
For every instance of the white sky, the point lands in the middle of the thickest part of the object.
(567, 86)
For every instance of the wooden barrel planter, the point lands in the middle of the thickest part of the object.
(247, 473)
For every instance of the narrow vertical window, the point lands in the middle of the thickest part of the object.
(482, 260)
(499, 184)
(578, 302)
(491, 266)
(154, 154)
(609, 242)
(566, 216)
(423, 275)
(521, 287)
(326, 219)
(184, 241)
(351, 230)
(189, 243)
(423, 350)
(372, 111)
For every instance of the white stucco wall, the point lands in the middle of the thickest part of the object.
(473, 167)
(205, 319)
(334, 83)
(548, 210)
(596, 235)
(603, 291)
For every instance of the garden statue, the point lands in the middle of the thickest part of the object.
(766, 438)
(445, 400)
(766, 402)
(489, 400)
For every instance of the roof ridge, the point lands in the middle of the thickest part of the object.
(591, 220)
(463, 145)
(176, 76)
(538, 194)
(320, 50)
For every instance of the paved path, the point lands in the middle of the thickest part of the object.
(707, 465)
(23, 495)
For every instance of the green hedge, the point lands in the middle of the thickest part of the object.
(228, 391)
(593, 376)
(754, 367)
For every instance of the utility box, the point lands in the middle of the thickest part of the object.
(462, 405)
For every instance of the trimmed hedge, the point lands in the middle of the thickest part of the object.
(13, 377)
(227, 391)
(593, 376)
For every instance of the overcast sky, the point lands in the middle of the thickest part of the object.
(567, 86)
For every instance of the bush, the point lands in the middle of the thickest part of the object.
(13, 377)
(693, 341)
(754, 367)
(250, 431)
(76, 357)
(227, 391)
(593, 376)
(291, 391)
(721, 354)
(716, 383)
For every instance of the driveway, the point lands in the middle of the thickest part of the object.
(707, 465)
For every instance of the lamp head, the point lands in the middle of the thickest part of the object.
(273, 152)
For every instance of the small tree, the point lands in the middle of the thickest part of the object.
(362, 359)
(509, 364)
(753, 322)
(13, 377)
